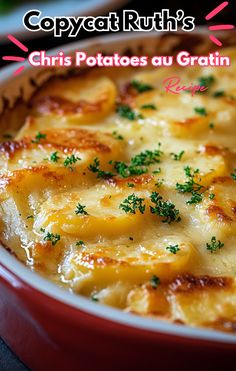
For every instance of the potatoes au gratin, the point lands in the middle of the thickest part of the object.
(126, 194)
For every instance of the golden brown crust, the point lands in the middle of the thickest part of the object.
(218, 212)
(61, 106)
(65, 140)
(223, 324)
(212, 150)
(188, 283)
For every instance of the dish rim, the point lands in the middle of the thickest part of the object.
(48, 288)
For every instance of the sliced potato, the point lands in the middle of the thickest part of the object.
(81, 101)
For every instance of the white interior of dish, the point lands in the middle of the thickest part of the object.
(41, 284)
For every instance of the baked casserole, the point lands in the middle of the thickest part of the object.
(126, 194)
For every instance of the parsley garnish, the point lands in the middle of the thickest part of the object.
(195, 199)
(147, 157)
(214, 245)
(200, 111)
(211, 196)
(54, 157)
(130, 185)
(80, 243)
(149, 106)
(155, 281)
(38, 137)
(173, 249)
(133, 203)
(157, 171)
(95, 168)
(206, 80)
(234, 175)
(117, 136)
(94, 297)
(126, 111)
(138, 164)
(211, 125)
(141, 87)
(218, 94)
(54, 238)
(177, 157)
(159, 183)
(164, 209)
(30, 217)
(80, 210)
(70, 160)
(190, 186)
(125, 170)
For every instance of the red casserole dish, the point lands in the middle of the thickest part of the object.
(50, 328)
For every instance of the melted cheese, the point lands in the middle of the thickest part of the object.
(112, 256)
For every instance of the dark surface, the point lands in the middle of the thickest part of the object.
(8, 361)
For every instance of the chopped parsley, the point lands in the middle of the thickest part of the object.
(117, 136)
(94, 297)
(233, 175)
(211, 125)
(130, 185)
(54, 238)
(38, 137)
(126, 111)
(138, 164)
(133, 203)
(214, 245)
(155, 281)
(218, 94)
(159, 183)
(141, 87)
(80, 210)
(70, 160)
(173, 249)
(157, 171)
(201, 111)
(195, 199)
(80, 243)
(54, 157)
(149, 106)
(95, 168)
(125, 170)
(190, 186)
(147, 157)
(212, 196)
(206, 80)
(30, 217)
(164, 209)
(178, 156)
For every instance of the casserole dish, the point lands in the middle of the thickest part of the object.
(48, 327)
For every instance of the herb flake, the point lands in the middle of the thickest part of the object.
(214, 245)
(155, 281)
(126, 111)
(133, 203)
(173, 249)
(165, 209)
(80, 210)
(141, 87)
